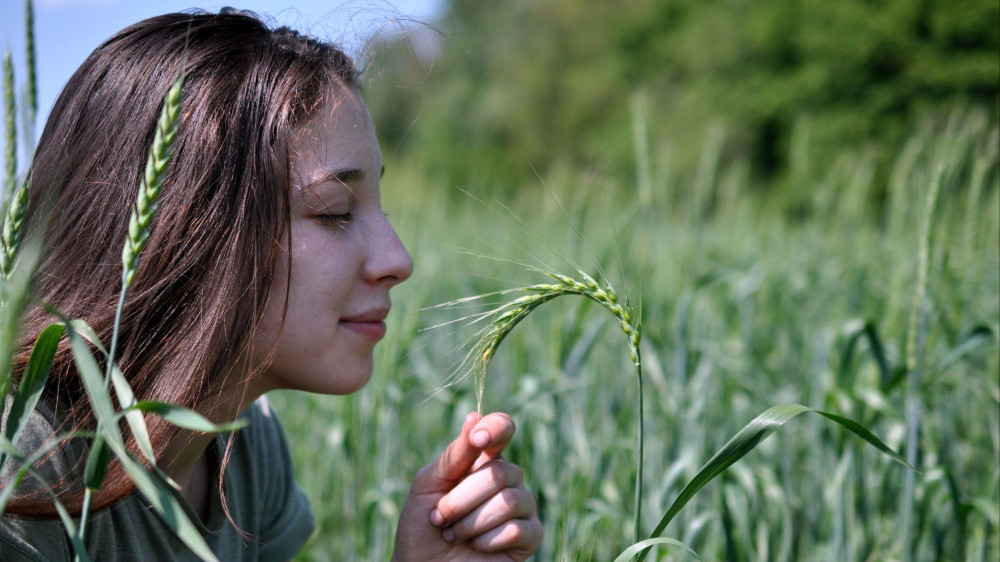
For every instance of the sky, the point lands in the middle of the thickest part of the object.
(66, 31)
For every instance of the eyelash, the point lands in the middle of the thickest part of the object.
(337, 220)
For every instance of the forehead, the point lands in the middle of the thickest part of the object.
(339, 136)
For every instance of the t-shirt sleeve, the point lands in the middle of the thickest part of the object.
(286, 519)
(28, 538)
(33, 540)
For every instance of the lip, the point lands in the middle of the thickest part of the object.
(370, 324)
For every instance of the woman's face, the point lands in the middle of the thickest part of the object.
(345, 256)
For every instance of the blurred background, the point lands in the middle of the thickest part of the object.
(802, 197)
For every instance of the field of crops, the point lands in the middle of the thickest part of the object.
(810, 293)
(866, 286)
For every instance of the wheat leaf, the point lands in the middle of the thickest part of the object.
(184, 417)
(759, 429)
(641, 546)
(32, 383)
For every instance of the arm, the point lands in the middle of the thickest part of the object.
(470, 504)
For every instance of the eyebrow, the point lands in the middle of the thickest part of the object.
(344, 177)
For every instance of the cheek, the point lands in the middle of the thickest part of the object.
(266, 336)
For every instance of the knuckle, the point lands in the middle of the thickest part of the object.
(528, 502)
(514, 533)
(515, 474)
(463, 530)
(538, 530)
(497, 473)
(446, 506)
(512, 499)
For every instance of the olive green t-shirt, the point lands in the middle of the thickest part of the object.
(272, 514)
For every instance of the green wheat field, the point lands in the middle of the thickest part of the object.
(743, 306)
(861, 280)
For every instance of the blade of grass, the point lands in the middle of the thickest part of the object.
(9, 449)
(13, 452)
(32, 383)
(975, 338)
(642, 546)
(126, 399)
(156, 491)
(79, 548)
(13, 298)
(759, 429)
(184, 417)
(163, 499)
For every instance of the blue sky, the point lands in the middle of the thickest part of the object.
(66, 31)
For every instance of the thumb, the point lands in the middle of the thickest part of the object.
(452, 465)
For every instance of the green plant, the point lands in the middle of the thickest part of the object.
(502, 319)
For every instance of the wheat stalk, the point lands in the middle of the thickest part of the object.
(500, 321)
(139, 228)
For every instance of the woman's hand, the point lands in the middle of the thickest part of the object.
(470, 504)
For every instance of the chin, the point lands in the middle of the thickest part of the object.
(339, 381)
(342, 380)
(354, 384)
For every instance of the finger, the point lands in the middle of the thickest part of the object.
(508, 504)
(493, 433)
(475, 489)
(517, 537)
(453, 464)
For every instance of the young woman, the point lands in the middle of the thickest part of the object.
(269, 266)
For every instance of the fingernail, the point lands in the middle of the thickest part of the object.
(481, 438)
(448, 535)
(436, 518)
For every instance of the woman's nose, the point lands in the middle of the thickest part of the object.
(389, 262)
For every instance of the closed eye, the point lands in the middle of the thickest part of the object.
(335, 220)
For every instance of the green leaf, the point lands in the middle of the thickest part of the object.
(32, 383)
(869, 332)
(156, 491)
(9, 449)
(13, 298)
(97, 464)
(126, 398)
(641, 546)
(163, 499)
(78, 547)
(976, 337)
(67, 521)
(185, 418)
(93, 383)
(88, 333)
(13, 452)
(747, 439)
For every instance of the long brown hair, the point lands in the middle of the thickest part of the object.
(204, 277)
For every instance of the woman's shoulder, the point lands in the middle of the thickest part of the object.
(38, 440)
(260, 490)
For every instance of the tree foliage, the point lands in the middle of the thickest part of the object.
(537, 86)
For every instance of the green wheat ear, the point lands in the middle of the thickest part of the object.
(17, 193)
(502, 319)
(10, 123)
(29, 45)
(139, 224)
(13, 224)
